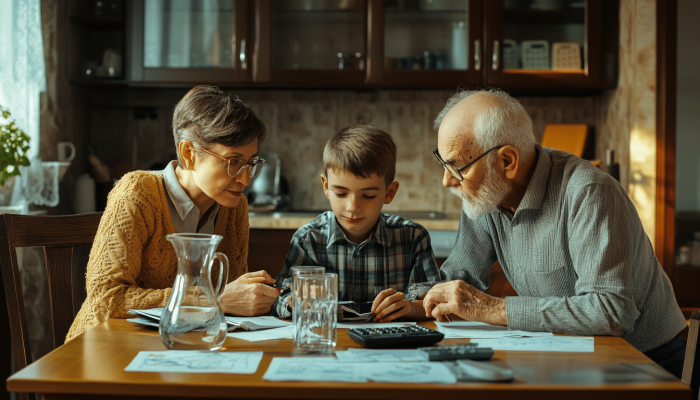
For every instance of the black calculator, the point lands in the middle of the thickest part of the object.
(405, 336)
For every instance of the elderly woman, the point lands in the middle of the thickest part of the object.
(131, 264)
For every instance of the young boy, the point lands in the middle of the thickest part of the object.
(379, 258)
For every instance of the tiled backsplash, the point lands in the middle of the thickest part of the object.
(300, 123)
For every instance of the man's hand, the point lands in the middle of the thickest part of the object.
(247, 296)
(390, 305)
(466, 301)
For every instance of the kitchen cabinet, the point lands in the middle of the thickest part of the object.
(521, 45)
(189, 41)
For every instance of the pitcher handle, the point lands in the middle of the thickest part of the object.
(223, 275)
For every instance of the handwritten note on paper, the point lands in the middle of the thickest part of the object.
(330, 370)
(320, 369)
(557, 343)
(370, 355)
(196, 361)
(471, 329)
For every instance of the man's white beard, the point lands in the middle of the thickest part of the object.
(487, 198)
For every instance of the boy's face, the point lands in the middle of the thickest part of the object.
(357, 202)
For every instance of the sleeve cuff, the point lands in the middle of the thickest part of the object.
(523, 314)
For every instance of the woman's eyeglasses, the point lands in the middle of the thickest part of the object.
(457, 172)
(235, 166)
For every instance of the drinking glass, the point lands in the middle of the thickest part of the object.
(315, 311)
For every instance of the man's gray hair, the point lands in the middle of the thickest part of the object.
(506, 122)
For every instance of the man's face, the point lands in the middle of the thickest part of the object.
(357, 202)
(482, 188)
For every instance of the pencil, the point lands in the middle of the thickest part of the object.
(448, 318)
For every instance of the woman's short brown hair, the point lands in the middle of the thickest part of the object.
(361, 150)
(206, 116)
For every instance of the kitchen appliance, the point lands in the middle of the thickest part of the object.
(269, 191)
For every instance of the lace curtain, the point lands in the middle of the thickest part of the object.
(22, 79)
(22, 73)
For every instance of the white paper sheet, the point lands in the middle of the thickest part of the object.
(556, 343)
(366, 325)
(196, 361)
(257, 323)
(319, 369)
(471, 330)
(267, 334)
(370, 355)
(330, 370)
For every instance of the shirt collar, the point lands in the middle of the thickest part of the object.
(380, 233)
(534, 194)
(182, 202)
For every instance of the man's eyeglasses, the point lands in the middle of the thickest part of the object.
(235, 166)
(457, 172)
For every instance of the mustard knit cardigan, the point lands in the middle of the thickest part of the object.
(131, 264)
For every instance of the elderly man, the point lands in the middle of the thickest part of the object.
(566, 234)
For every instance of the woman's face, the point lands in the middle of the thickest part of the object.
(211, 173)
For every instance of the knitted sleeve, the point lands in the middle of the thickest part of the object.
(116, 257)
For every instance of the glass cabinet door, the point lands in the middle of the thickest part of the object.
(544, 43)
(189, 40)
(312, 42)
(439, 40)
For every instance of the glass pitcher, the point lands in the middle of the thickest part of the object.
(193, 319)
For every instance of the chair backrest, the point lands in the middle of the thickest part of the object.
(570, 138)
(58, 235)
(691, 366)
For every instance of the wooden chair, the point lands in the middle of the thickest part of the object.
(58, 235)
(691, 366)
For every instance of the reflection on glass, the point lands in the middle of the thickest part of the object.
(188, 33)
(426, 34)
(318, 34)
(544, 34)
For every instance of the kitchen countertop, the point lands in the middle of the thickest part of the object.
(294, 220)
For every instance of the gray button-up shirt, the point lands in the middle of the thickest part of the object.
(576, 254)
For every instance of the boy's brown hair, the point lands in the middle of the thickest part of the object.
(361, 150)
(206, 116)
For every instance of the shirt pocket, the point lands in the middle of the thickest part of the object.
(551, 282)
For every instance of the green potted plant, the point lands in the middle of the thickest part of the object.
(14, 145)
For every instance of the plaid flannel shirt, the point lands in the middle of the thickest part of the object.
(397, 255)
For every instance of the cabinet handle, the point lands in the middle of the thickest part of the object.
(477, 55)
(494, 58)
(242, 57)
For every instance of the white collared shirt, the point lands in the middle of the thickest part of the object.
(183, 212)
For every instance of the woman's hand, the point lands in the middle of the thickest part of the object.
(248, 296)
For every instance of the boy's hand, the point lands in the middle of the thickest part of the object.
(390, 305)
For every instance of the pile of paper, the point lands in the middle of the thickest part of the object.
(471, 330)
(348, 311)
(151, 317)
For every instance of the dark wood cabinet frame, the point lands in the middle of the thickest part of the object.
(221, 76)
(666, 58)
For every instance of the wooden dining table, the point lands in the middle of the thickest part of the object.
(92, 367)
